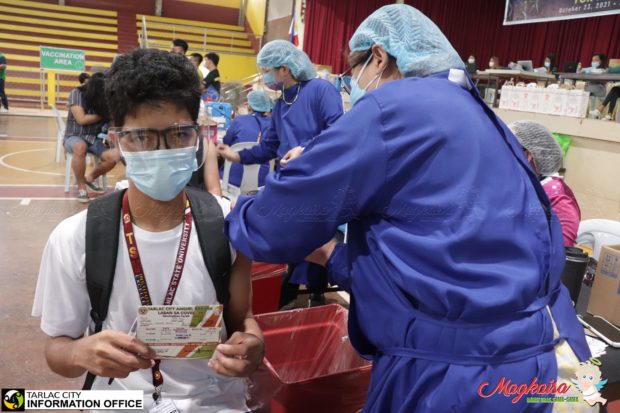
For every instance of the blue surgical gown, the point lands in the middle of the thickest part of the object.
(247, 128)
(453, 257)
(317, 106)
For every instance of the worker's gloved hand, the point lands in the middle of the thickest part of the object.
(239, 356)
(290, 155)
(227, 153)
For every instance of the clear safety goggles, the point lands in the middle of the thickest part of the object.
(176, 136)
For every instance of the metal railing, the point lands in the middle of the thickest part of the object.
(14, 81)
(203, 32)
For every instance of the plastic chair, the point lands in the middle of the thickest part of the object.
(60, 136)
(595, 233)
(249, 179)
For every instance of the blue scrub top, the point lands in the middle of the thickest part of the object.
(316, 108)
(247, 128)
(451, 259)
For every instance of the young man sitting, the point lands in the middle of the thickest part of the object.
(154, 100)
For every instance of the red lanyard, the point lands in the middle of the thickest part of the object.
(138, 272)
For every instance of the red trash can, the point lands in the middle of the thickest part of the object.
(266, 286)
(309, 365)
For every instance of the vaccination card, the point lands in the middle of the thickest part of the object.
(180, 331)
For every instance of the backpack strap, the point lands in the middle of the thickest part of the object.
(209, 224)
(102, 228)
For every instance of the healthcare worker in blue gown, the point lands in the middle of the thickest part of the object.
(453, 257)
(307, 106)
(250, 128)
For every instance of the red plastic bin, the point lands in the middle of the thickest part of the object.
(309, 365)
(266, 286)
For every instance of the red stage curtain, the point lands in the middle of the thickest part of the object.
(472, 26)
(329, 24)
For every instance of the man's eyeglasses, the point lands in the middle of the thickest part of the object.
(146, 139)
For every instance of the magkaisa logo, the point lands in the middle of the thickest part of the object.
(588, 381)
(517, 391)
(13, 400)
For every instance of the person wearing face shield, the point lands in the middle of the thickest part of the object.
(453, 255)
(154, 101)
(307, 106)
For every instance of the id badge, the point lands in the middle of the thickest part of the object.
(163, 406)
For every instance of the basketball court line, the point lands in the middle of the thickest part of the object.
(16, 168)
(26, 138)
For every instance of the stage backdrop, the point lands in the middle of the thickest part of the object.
(533, 11)
(472, 26)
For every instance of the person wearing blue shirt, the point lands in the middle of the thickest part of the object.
(453, 255)
(307, 106)
(250, 128)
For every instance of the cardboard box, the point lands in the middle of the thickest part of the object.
(533, 100)
(605, 296)
(516, 97)
(577, 103)
(505, 96)
(545, 102)
(558, 101)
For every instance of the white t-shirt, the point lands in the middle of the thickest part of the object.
(62, 301)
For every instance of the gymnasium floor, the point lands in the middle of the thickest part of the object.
(32, 203)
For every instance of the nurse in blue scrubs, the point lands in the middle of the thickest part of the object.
(250, 128)
(454, 255)
(307, 106)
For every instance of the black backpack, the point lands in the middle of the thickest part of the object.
(102, 235)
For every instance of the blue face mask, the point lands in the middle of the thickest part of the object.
(547, 65)
(161, 174)
(271, 82)
(596, 64)
(356, 91)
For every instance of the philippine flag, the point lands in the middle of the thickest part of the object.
(292, 32)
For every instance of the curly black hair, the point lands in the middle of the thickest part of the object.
(93, 93)
(150, 76)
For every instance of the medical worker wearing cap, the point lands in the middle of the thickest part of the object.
(453, 257)
(250, 128)
(306, 107)
(545, 157)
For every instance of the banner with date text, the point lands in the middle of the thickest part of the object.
(534, 11)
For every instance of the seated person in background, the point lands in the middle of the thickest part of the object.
(471, 65)
(549, 65)
(179, 46)
(212, 80)
(598, 66)
(250, 128)
(545, 157)
(494, 63)
(83, 77)
(610, 99)
(87, 113)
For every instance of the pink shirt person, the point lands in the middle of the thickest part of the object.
(545, 157)
(565, 206)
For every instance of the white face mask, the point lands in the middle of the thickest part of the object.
(491, 64)
(471, 60)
